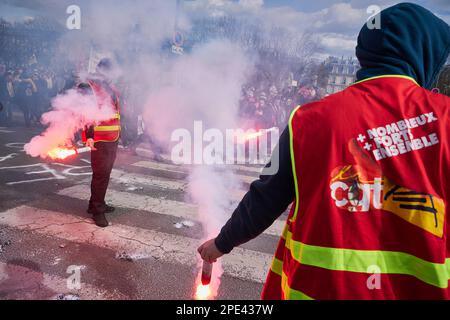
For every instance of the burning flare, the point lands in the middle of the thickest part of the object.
(63, 153)
(203, 292)
(253, 135)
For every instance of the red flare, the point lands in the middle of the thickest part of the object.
(206, 273)
(253, 135)
(63, 153)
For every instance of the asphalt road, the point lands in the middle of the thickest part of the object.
(49, 244)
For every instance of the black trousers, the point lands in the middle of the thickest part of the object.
(102, 162)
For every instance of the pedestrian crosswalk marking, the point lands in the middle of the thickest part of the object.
(174, 208)
(249, 168)
(241, 263)
(126, 178)
(183, 170)
(121, 176)
(160, 166)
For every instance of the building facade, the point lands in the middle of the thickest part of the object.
(342, 73)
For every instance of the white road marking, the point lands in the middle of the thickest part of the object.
(46, 170)
(72, 170)
(16, 145)
(24, 283)
(148, 153)
(180, 169)
(177, 209)
(117, 175)
(131, 178)
(123, 177)
(9, 156)
(160, 166)
(22, 166)
(241, 263)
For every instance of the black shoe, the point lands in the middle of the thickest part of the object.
(100, 220)
(108, 209)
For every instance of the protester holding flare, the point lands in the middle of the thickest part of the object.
(367, 172)
(102, 139)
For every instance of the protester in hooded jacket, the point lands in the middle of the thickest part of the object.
(366, 171)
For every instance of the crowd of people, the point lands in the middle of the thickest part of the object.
(29, 90)
(28, 80)
(270, 105)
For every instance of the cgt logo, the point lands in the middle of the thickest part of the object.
(355, 189)
(351, 190)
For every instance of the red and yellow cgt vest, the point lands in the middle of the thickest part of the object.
(106, 131)
(371, 166)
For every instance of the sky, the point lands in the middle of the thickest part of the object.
(335, 22)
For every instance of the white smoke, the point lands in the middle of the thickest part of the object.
(211, 189)
(70, 113)
(204, 85)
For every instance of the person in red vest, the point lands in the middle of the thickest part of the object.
(367, 172)
(102, 139)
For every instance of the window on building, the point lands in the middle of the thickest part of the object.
(335, 69)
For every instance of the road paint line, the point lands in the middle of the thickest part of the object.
(147, 203)
(174, 208)
(160, 166)
(123, 177)
(183, 170)
(242, 167)
(241, 263)
(19, 282)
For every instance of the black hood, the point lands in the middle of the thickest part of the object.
(412, 41)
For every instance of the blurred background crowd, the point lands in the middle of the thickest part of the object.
(28, 77)
(32, 73)
(287, 74)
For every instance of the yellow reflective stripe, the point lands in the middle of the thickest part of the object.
(285, 231)
(388, 76)
(294, 170)
(107, 128)
(388, 262)
(277, 266)
(292, 294)
(289, 293)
